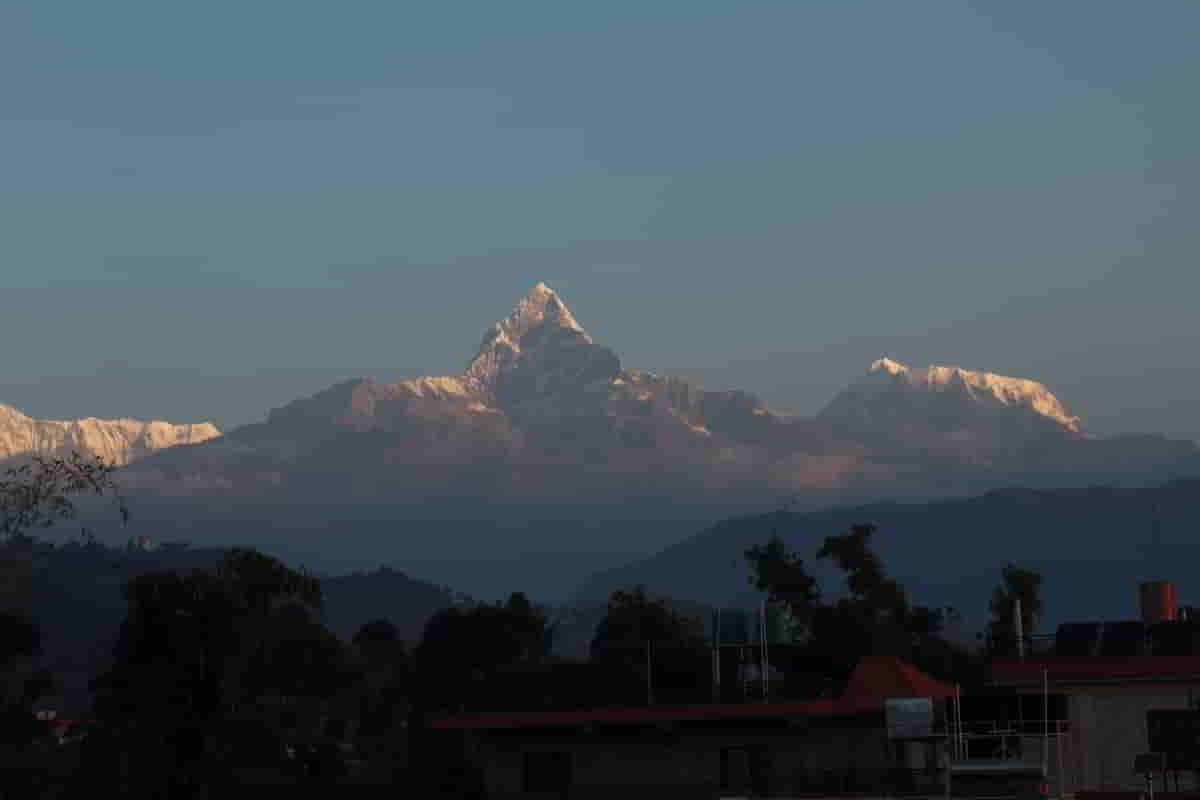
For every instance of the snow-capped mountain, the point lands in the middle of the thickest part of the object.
(893, 396)
(542, 409)
(118, 441)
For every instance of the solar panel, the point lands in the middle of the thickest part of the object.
(1123, 639)
(1176, 638)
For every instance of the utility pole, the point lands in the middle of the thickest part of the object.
(649, 676)
(1019, 627)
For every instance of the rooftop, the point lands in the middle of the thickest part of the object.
(876, 679)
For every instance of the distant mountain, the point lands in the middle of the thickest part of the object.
(361, 597)
(542, 411)
(75, 595)
(546, 445)
(118, 441)
(1093, 544)
(949, 401)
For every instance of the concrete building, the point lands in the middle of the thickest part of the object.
(1124, 688)
(827, 746)
(1114, 710)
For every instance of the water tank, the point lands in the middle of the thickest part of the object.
(1160, 602)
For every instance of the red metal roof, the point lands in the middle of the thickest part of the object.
(634, 716)
(875, 680)
(1087, 670)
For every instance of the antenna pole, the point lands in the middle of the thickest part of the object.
(1019, 628)
(649, 677)
(765, 662)
(1045, 722)
(1155, 544)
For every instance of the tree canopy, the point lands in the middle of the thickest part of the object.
(639, 633)
(199, 650)
(463, 646)
(873, 616)
(1016, 583)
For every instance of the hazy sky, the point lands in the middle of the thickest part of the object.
(208, 209)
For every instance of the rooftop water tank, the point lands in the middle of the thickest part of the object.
(1159, 600)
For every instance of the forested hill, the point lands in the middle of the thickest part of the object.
(951, 552)
(74, 593)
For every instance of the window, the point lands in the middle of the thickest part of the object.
(735, 769)
(548, 771)
(1174, 732)
(745, 769)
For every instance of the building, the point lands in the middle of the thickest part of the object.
(1124, 688)
(827, 746)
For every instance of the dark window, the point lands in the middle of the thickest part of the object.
(1176, 733)
(735, 769)
(760, 771)
(1123, 639)
(547, 771)
(745, 769)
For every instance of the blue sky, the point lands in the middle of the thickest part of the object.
(211, 208)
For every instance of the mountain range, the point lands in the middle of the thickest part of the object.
(1093, 545)
(544, 411)
(548, 456)
(116, 441)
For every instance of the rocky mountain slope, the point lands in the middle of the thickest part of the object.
(119, 441)
(542, 410)
(894, 396)
(546, 444)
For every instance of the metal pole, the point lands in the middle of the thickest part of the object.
(1045, 721)
(766, 658)
(1058, 742)
(959, 739)
(946, 766)
(649, 677)
(952, 709)
(716, 672)
(1019, 628)
(716, 656)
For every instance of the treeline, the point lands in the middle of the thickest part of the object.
(227, 673)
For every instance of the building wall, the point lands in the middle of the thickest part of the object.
(1108, 729)
(687, 763)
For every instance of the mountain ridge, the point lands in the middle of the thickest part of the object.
(117, 441)
(542, 409)
(1076, 536)
(900, 383)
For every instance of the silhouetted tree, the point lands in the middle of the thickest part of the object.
(39, 492)
(874, 617)
(465, 661)
(36, 494)
(200, 651)
(639, 632)
(463, 646)
(385, 693)
(782, 575)
(1016, 583)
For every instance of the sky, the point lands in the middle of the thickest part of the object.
(210, 209)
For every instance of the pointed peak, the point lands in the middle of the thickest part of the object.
(888, 365)
(541, 305)
(541, 308)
